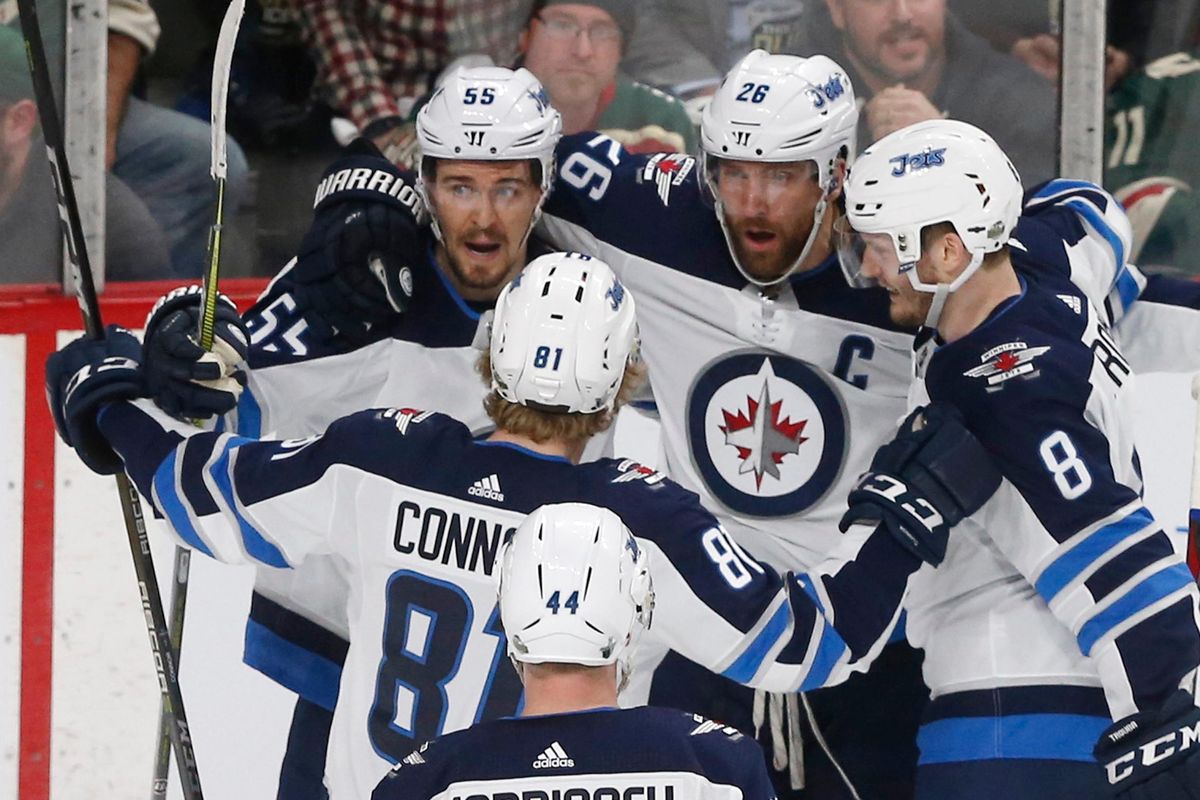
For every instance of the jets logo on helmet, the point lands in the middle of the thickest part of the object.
(779, 108)
(489, 114)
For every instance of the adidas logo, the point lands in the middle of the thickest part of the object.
(488, 487)
(1072, 302)
(553, 756)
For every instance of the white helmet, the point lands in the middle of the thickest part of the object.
(489, 114)
(780, 108)
(574, 588)
(937, 171)
(562, 333)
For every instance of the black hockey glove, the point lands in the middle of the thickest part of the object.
(354, 270)
(184, 379)
(1154, 755)
(924, 481)
(83, 377)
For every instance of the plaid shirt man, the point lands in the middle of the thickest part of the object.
(376, 57)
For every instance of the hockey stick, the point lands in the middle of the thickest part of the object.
(85, 291)
(1193, 540)
(222, 62)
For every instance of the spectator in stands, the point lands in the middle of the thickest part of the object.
(161, 155)
(574, 48)
(30, 235)
(914, 61)
(376, 59)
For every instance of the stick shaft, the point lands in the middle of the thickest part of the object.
(85, 290)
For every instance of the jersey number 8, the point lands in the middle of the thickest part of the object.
(1071, 475)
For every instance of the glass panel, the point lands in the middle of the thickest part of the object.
(30, 241)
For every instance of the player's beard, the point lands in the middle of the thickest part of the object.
(768, 265)
(489, 278)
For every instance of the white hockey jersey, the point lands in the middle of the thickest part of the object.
(416, 509)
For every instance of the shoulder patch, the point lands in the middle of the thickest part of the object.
(632, 471)
(407, 416)
(666, 171)
(704, 726)
(1005, 362)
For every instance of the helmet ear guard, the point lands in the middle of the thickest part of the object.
(574, 588)
(925, 174)
(779, 108)
(488, 114)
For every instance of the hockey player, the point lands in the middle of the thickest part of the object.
(415, 508)
(336, 329)
(571, 737)
(1066, 607)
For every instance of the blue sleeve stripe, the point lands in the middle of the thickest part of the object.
(747, 664)
(1063, 737)
(306, 673)
(1089, 212)
(1073, 563)
(830, 650)
(170, 504)
(256, 544)
(1127, 288)
(249, 416)
(1060, 186)
(1160, 585)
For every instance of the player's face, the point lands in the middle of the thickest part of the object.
(573, 49)
(898, 40)
(484, 209)
(879, 262)
(768, 209)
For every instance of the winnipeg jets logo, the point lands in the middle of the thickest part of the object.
(767, 433)
(761, 437)
(1005, 362)
(667, 170)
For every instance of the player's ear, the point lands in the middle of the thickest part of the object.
(836, 13)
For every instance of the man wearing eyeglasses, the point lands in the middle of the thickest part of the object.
(574, 48)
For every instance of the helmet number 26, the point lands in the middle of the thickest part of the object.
(753, 92)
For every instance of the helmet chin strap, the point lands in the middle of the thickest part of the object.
(818, 217)
(942, 291)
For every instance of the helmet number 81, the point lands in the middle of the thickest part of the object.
(753, 92)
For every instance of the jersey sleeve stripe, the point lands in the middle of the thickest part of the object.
(831, 647)
(257, 545)
(1041, 736)
(746, 665)
(168, 501)
(249, 416)
(1088, 555)
(1059, 187)
(1128, 609)
(1095, 218)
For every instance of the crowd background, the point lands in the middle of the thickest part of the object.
(310, 75)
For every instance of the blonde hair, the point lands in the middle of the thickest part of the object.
(541, 426)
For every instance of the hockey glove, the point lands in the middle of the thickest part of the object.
(1154, 755)
(184, 379)
(354, 270)
(924, 481)
(81, 379)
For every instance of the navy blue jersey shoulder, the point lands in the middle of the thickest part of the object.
(651, 206)
(1023, 381)
(592, 743)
